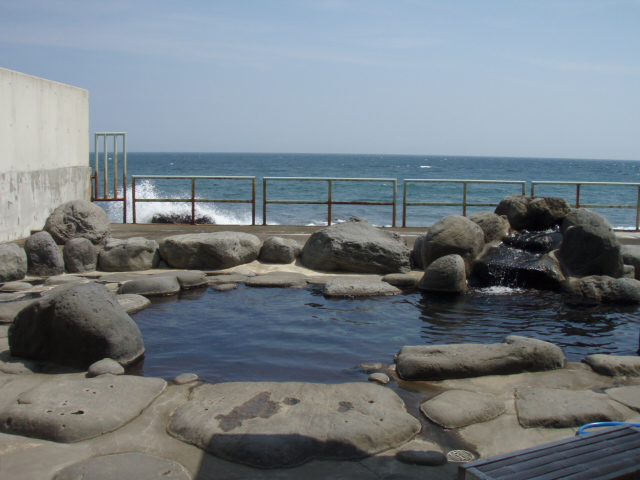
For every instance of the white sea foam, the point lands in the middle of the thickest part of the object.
(500, 290)
(425, 166)
(146, 210)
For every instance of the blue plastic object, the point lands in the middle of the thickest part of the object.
(588, 426)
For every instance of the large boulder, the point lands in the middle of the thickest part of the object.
(584, 216)
(80, 255)
(276, 425)
(495, 227)
(446, 274)
(508, 266)
(441, 362)
(203, 251)
(76, 326)
(135, 253)
(78, 218)
(454, 234)
(356, 246)
(44, 258)
(13, 262)
(600, 288)
(279, 250)
(589, 249)
(533, 213)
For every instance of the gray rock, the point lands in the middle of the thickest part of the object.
(450, 235)
(120, 278)
(355, 288)
(533, 213)
(224, 287)
(505, 265)
(441, 362)
(105, 366)
(15, 287)
(445, 274)
(600, 288)
(152, 285)
(76, 326)
(400, 280)
(591, 250)
(629, 271)
(186, 378)
(80, 255)
(43, 256)
(380, 378)
(429, 458)
(247, 272)
(189, 279)
(584, 216)
(75, 409)
(356, 246)
(279, 250)
(555, 408)
(222, 279)
(13, 262)
(217, 250)
(132, 302)
(614, 365)
(135, 253)
(275, 425)
(460, 408)
(416, 253)
(631, 257)
(495, 227)
(138, 466)
(629, 396)
(79, 218)
(278, 279)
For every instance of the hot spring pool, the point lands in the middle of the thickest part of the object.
(277, 334)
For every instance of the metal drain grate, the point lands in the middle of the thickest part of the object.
(460, 456)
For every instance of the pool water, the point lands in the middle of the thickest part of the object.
(277, 334)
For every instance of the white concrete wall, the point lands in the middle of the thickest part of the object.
(44, 150)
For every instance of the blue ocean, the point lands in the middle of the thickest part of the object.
(383, 167)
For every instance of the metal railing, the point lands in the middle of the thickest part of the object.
(329, 201)
(464, 204)
(578, 203)
(95, 180)
(193, 199)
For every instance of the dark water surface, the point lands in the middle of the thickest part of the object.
(273, 334)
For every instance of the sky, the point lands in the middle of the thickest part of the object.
(524, 78)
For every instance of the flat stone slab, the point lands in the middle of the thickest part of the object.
(346, 288)
(132, 302)
(401, 280)
(275, 425)
(136, 466)
(614, 365)
(556, 408)
(152, 285)
(15, 287)
(76, 409)
(279, 279)
(441, 362)
(460, 408)
(226, 279)
(629, 396)
(9, 310)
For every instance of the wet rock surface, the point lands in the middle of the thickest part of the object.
(356, 246)
(76, 327)
(78, 218)
(601, 288)
(269, 425)
(132, 302)
(153, 285)
(514, 355)
(614, 365)
(74, 409)
(354, 288)
(217, 250)
(460, 408)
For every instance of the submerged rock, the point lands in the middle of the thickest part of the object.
(278, 425)
(441, 362)
(356, 246)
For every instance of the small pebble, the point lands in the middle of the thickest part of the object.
(380, 378)
(104, 366)
(425, 458)
(186, 378)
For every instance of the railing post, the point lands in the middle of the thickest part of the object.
(264, 201)
(404, 202)
(133, 198)
(638, 211)
(193, 201)
(330, 199)
(395, 197)
(577, 195)
(464, 199)
(115, 166)
(105, 193)
(253, 201)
